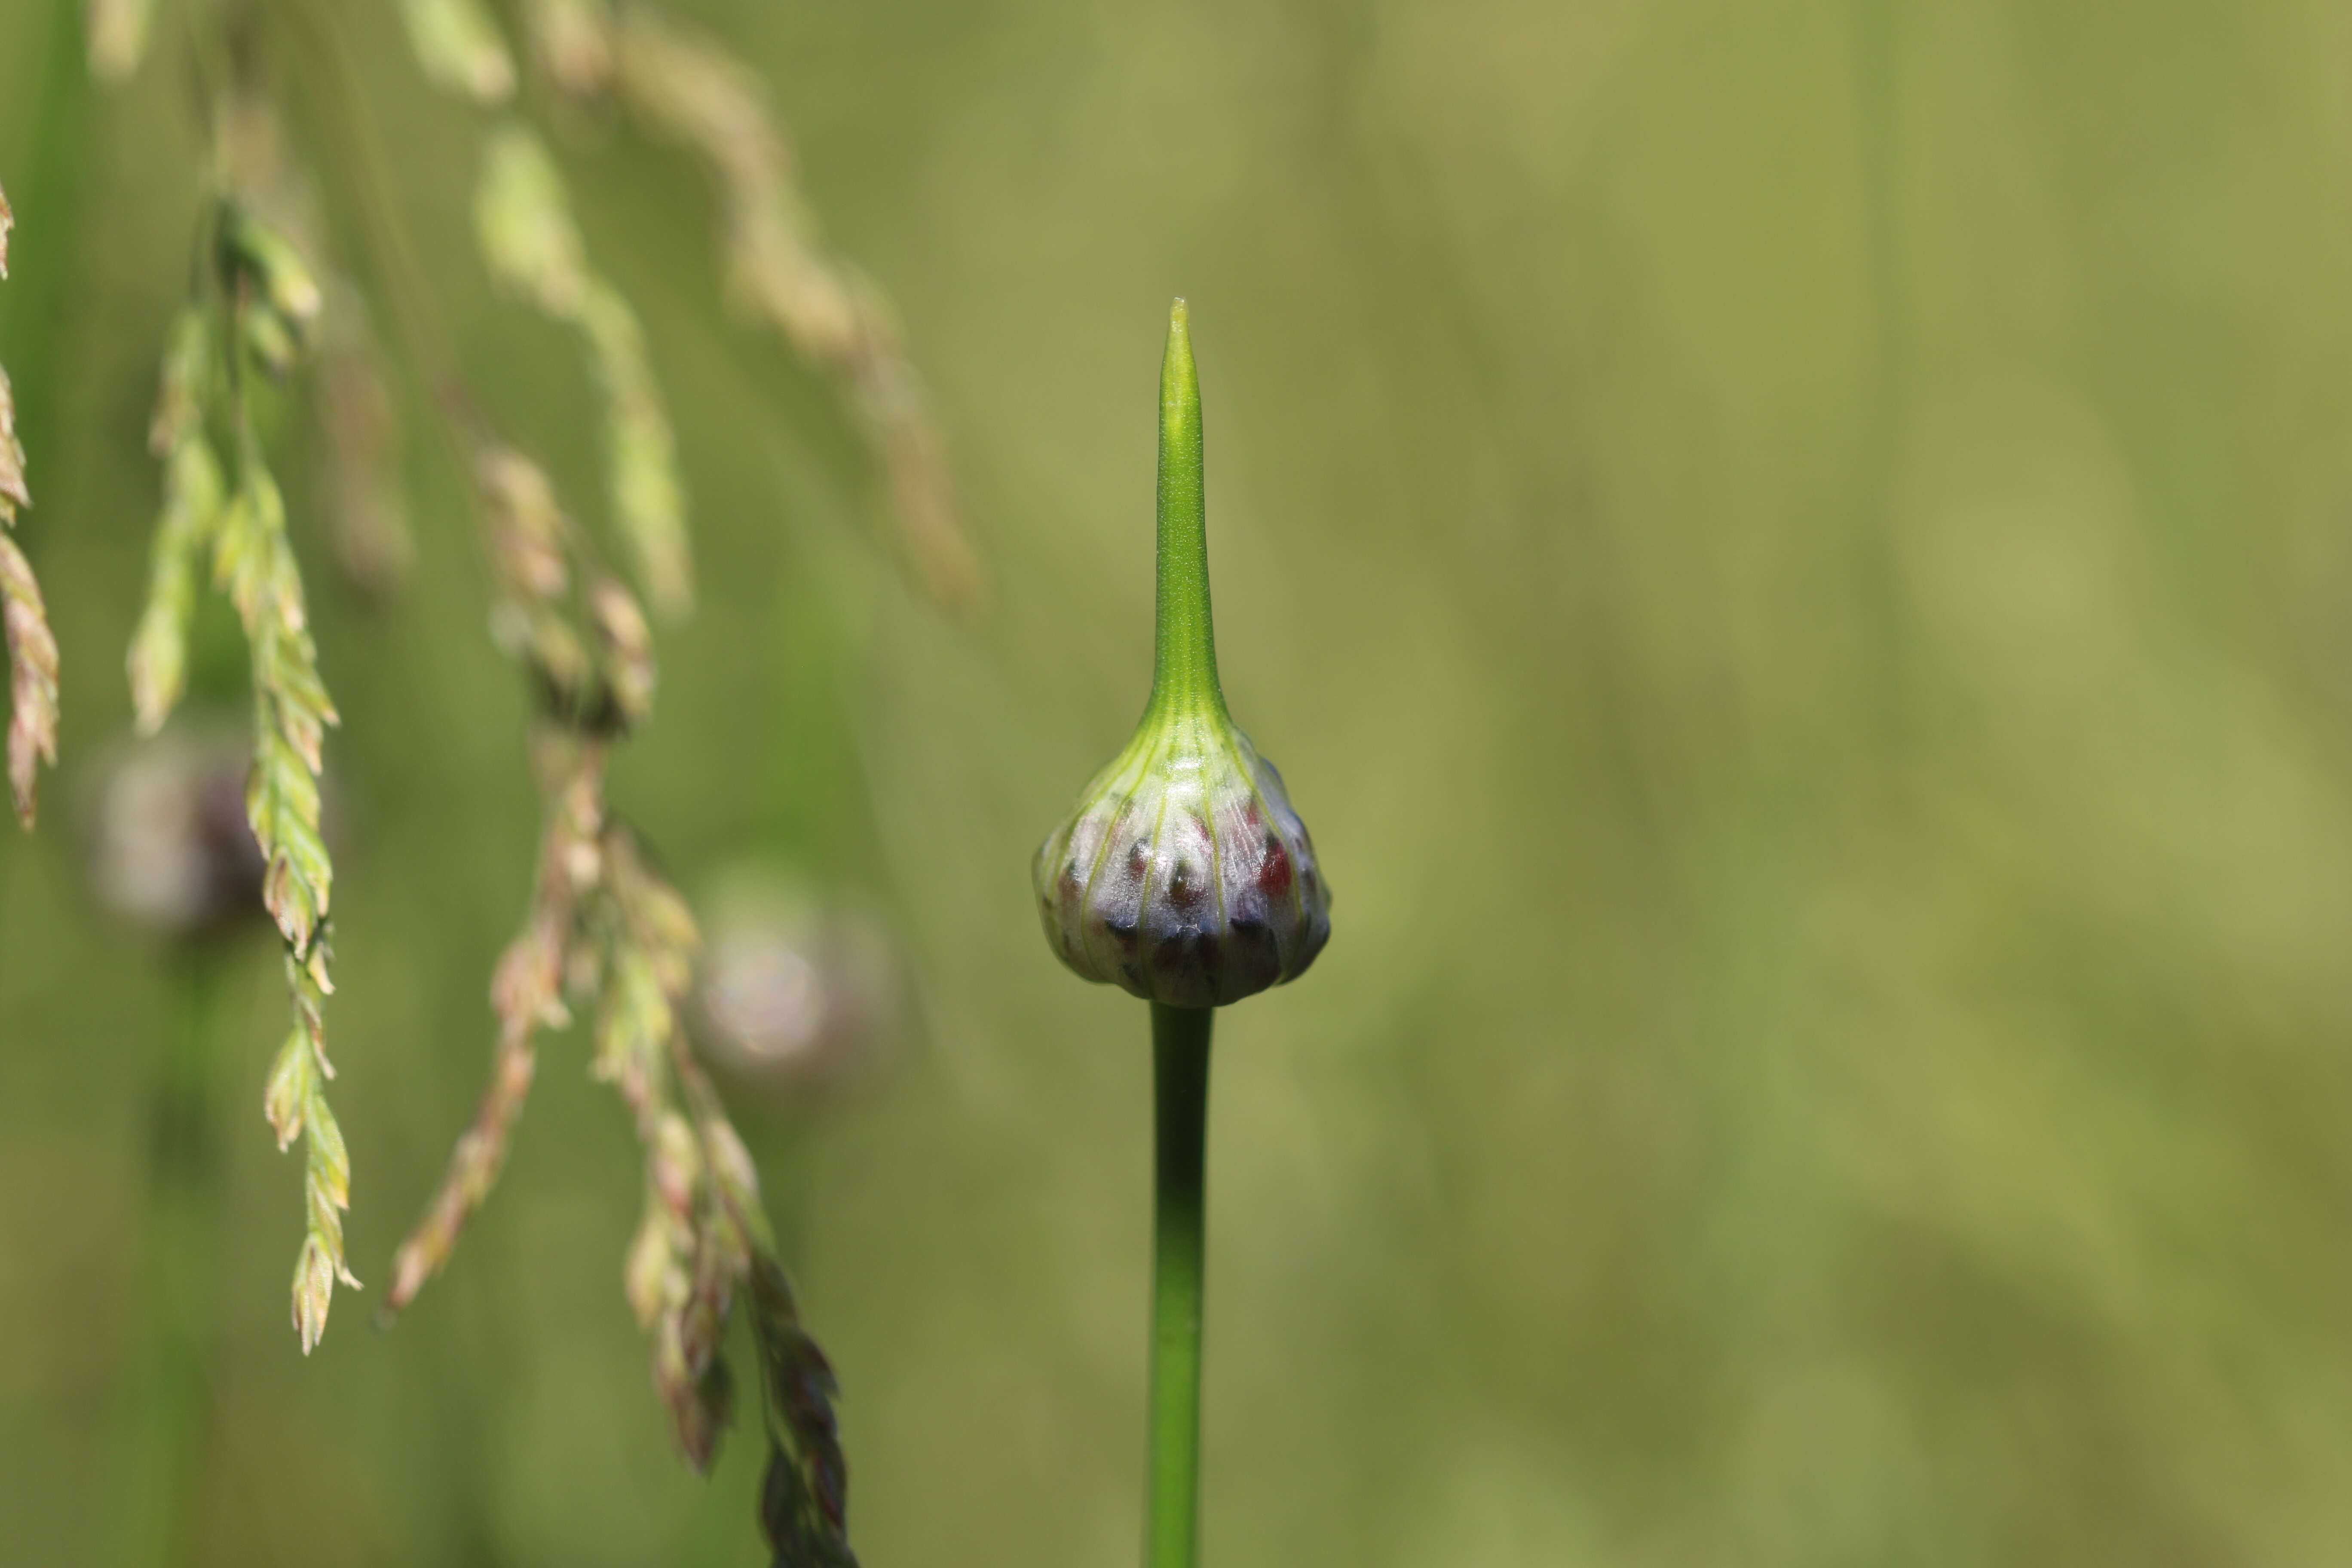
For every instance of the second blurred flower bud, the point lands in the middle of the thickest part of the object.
(171, 849)
(798, 997)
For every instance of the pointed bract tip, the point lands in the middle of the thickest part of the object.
(1177, 315)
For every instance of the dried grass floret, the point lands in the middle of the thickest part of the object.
(32, 677)
(23, 619)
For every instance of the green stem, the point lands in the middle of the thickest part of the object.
(166, 1395)
(1184, 644)
(1179, 1053)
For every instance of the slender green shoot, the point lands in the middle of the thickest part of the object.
(1179, 1055)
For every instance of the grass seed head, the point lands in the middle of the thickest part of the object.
(459, 49)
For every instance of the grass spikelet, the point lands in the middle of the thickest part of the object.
(255, 564)
(523, 220)
(255, 308)
(13, 493)
(804, 1493)
(533, 247)
(459, 49)
(253, 561)
(572, 41)
(23, 619)
(115, 33)
(527, 996)
(32, 677)
(295, 1102)
(193, 495)
(686, 90)
(648, 498)
(604, 921)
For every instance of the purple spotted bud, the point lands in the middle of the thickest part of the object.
(1182, 874)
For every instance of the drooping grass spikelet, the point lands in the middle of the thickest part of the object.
(572, 40)
(688, 1256)
(272, 294)
(527, 996)
(363, 499)
(524, 223)
(533, 247)
(648, 498)
(685, 90)
(115, 33)
(295, 1102)
(254, 563)
(13, 493)
(704, 1242)
(32, 677)
(159, 648)
(804, 1493)
(255, 308)
(540, 622)
(459, 49)
(193, 490)
(23, 619)
(604, 923)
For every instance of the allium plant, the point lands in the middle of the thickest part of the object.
(1184, 876)
(268, 318)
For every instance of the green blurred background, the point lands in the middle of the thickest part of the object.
(1798, 560)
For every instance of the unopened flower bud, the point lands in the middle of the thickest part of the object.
(797, 996)
(1182, 874)
(171, 846)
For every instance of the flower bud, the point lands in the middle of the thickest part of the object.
(170, 848)
(1182, 874)
(798, 996)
